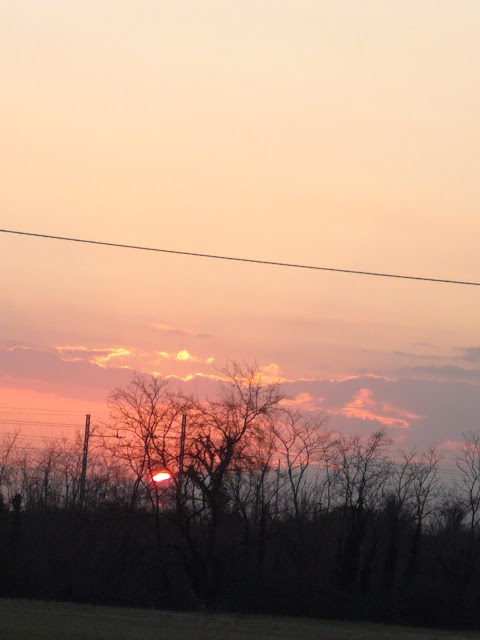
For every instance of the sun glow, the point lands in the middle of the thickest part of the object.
(183, 355)
(161, 476)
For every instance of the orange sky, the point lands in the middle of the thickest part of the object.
(339, 134)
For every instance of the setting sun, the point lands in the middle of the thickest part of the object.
(161, 476)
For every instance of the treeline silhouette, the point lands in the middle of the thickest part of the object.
(267, 511)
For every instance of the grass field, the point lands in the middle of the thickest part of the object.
(32, 620)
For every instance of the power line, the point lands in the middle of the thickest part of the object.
(41, 422)
(34, 436)
(44, 409)
(55, 438)
(238, 259)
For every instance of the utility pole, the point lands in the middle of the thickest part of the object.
(84, 460)
(183, 436)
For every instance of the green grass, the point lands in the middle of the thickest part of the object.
(32, 620)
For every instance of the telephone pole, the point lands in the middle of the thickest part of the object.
(84, 460)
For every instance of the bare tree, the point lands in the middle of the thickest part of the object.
(301, 444)
(226, 435)
(69, 465)
(143, 432)
(399, 493)
(7, 453)
(362, 472)
(227, 431)
(425, 485)
(468, 463)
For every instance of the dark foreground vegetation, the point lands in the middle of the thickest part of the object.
(267, 512)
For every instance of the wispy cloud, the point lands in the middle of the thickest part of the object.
(420, 407)
(365, 407)
(194, 376)
(443, 373)
(471, 354)
(363, 375)
(420, 356)
(302, 401)
(97, 356)
(449, 446)
(184, 356)
(70, 372)
(271, 373)
(179, 331)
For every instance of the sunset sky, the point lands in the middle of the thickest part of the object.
(341, 134)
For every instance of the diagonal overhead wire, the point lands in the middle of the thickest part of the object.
(195, 254)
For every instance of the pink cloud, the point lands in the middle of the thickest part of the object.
(179, 331)
(100, 357)
(450, 445)
(271, 373)
(303, 401)
(365, 407)
(184, 356)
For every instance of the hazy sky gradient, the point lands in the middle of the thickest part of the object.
(333, 133)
